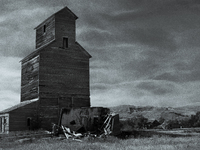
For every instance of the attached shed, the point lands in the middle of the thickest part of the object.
(18, 117)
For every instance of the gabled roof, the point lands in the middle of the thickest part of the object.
(18, 106)
(83, 50)
(36, 51)
(65, 8)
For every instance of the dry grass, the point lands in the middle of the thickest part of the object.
(111, 143)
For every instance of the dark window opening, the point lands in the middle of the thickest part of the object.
(73, 122)
(96, 123)
(1, 125)
(44, 28)
(28, 122)
(96, 120)
(65, 42)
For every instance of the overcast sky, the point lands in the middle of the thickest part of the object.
(144, 52)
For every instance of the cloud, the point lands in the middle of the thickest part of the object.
(17, 35)
(167, 76)
(157, 88)
(8, 99)
(102, 75)
(143, 52)
(153, 37)
(96, 38)
(140, 68)
(147, 93)
(184, 67)
(9, 81)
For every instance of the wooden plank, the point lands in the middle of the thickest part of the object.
(30, 79)
(48, 37)
(67, 91)
(45, 41)
(43, 38)
(33, 68)
(65, 62)
(50, 19)
(32, 92)
(63, 53)
(62, 78)
(57, 89)
(31, 60)
(62, 94)
(48, 101)
(49, 27)
(67, 71)
(28, 87)
(64, 18)
(64, 84)
(28, 96)
(77, 65)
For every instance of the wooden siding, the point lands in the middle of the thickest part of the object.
(65, 27)
(58, 76)
(66, 75)
(48, 115)
(18, 117)
(73, 102)
(30, 79)
(44, 37)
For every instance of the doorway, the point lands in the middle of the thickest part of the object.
(0, 125)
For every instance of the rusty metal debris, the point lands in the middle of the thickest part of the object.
(78, 123)
(68, 134)
(111, 125)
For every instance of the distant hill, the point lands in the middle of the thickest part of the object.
(155, 113)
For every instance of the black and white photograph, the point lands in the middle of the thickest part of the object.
(100, 74)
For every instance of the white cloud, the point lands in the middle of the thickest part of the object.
(128, 93)
(9, 81)
(127, 46)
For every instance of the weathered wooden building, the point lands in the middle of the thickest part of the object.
(55, 75)
(18, 117)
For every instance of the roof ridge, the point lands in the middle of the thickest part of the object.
(56, 13)
(21, 104)
(84, 51)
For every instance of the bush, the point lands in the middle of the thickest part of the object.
(193, 121)
(138, 122)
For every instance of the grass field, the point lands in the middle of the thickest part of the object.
(110, 143)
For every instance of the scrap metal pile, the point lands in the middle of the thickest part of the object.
(76, 123)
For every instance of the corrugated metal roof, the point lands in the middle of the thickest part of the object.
(18, 106)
